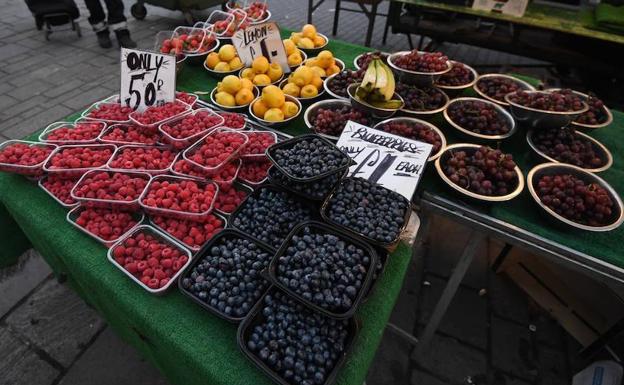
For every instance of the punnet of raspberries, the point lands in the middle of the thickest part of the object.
(254, 172)
(179, 195)
(150, 159)
(80, 157)
(422, 61)
(111, 186)
(60, 188)
(156, 114)
(414, 130)
(459, 75)
(110, 112)
(259, 141)
(548, 101)
(192, 124)
(75, 132)
(192, 233)
(106, 224)
(484, 171)
(25, 154)
(229, 198)
(233, 120)
(567, 146)
(150, 258)
(187, 98)
(123, 134)
(575, 199)
(216, 149)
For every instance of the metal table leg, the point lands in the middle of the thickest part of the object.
(449, 292)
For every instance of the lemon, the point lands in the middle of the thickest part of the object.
(248, 73)
(273, 97)
(334, 69)
(225, 99)
(308, 31)
(318, 71)
(306, 43)
(274, 115)
(227, 52)
(222, 67)
(261, 80)
(246, 83)
(291, 89)
(212, 60)
(260, 65)
(309, 91)
(235, 63)
(244, 97)
(259, 108)
(294, 59)
(325, 59)
(275, 71)
(231, 84)
(319, 41)
(302, 76)
(295, 37)
(289, 47)
(317, 82)
(290, 109)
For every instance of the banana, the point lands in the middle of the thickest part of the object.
(382, 76)
(370, 79)
(388, 91)
(393, 104)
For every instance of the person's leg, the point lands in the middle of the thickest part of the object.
(97, 19)
(117, 22)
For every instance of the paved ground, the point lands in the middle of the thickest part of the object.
(49, 336)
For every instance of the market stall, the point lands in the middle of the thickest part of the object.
(189, 328)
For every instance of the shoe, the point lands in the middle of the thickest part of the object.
(103, 38)
(123, 38)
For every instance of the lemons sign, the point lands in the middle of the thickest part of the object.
(261, 40)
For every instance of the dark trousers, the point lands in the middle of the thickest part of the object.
(115, 11)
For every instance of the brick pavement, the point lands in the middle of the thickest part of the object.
(49, 336)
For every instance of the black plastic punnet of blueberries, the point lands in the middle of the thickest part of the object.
(325, 268)
(308, 157)
(225, 277)
(294, 344)
(270, 213)
(368, 210)
(316, 190)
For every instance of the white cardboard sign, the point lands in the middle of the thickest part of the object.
(261, 40)
(392, 161)
(147, 78)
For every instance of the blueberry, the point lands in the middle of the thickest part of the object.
(225, 283)
(310, 157)
(368, 209)
(309, 343)
(271, 215)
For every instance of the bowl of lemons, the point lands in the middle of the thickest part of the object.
(223, 63)
(234, 94)
(304, 84)
(262, 73)
(274, 108)
(309, 40)
(294, 55)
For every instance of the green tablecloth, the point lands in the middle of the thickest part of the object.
(187, 343)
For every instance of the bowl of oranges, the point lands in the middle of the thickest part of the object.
(309, 40)
(262, 73)
(274, 108)
(294, 55)
(304, 84)
(223, 63)
(234, 94)
(325, 64)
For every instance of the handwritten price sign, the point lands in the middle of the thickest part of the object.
(147, 78)
(391, 161)
(261, 40)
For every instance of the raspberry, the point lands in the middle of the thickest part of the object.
(216, 148)
(229, 198)
(68, 133)
(123, 134)
(192, 233)
(254, 172)
(80, 157)
(110, 112)
(259, 141)
(105, 224)
(156, 114)
(154, 159)
(18, 153)
(111, 186)
(179, 195)
(233, 120)
(60, 188)
(199, 122)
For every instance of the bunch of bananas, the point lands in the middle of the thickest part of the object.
(377, 87)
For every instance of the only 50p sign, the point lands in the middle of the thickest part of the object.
(147, 78)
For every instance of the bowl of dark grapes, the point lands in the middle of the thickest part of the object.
(480, 119)
(415, 129)
(480, 172)
(419, 67)
(575, 198)
(460, 77)
(542, 109)
(494, 87)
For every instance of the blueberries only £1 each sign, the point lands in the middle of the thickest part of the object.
(261, 40)
(392, 161)
(147, 78)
